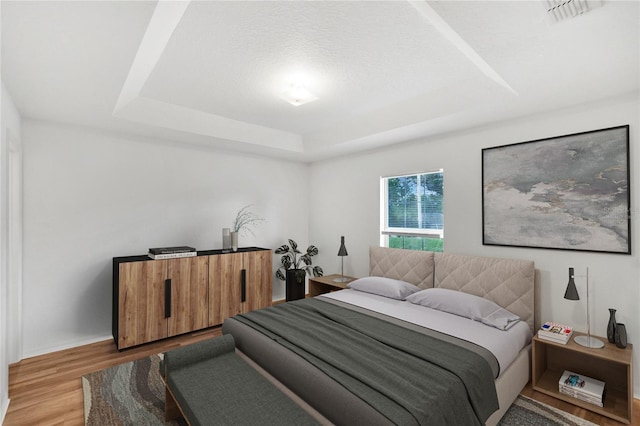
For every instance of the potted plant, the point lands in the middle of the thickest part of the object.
(294, 268)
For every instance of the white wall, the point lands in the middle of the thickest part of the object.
(90, 196)
(9, 327)
(345, 201)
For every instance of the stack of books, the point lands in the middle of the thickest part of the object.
(582, 387)
(555, 332)
(171, 252)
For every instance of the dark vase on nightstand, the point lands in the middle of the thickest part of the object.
(621, 336)
(611, 326)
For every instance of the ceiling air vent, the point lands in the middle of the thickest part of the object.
(559, 10)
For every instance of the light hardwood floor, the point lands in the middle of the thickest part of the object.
(47, 390)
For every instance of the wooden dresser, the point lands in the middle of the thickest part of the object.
(155, 299)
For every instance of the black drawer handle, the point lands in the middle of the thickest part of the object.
(243, 285)
(167, 298)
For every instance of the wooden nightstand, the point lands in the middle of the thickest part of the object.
(325, 284)
(610, 364)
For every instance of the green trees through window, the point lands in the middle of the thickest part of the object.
(412, 211)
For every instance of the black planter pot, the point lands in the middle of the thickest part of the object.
(295, 284)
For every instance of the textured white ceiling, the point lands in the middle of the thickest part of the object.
(384, 71)
(354, 57)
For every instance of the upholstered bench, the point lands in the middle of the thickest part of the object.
(209, 384)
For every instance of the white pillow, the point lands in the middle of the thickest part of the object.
(466, 305)
(387, 287)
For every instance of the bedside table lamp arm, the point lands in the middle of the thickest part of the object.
(572, 294)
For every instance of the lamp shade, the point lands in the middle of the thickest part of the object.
(342, 251)
(572, 292)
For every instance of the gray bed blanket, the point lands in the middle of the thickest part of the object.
(409, 377)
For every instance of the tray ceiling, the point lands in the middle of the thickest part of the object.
(384, 72)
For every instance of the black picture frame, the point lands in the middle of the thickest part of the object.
(569, 192)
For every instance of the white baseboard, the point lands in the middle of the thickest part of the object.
(67, 346)
(3, 410)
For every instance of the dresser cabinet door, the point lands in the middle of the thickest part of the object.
(258, 292)
(141, 304)
(189, 307)
(238, 282)
(225, 273)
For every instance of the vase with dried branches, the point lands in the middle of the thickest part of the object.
(244, 222)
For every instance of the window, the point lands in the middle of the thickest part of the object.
(411, 211)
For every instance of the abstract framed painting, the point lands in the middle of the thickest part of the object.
(567, 192)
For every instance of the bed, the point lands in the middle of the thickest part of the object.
(332, 382)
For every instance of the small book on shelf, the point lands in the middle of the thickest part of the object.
(582, 387)
(171, 250)
(172, 255)
(555, 332)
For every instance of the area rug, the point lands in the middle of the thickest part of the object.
(133, 394)
(528, 412)
(127, 394)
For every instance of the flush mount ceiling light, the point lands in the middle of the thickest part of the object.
(298, 95)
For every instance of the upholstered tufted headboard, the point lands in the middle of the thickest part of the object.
(507, 282)
(415, 267)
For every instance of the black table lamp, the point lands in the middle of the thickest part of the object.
(342, 252)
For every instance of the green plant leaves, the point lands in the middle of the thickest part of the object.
(286, 261)
(306, 259)
(282, 249)
(290, 260)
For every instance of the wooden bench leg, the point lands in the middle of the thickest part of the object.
(171, 408)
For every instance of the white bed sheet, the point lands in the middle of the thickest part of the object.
(504, 345)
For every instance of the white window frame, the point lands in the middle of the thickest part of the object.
(385, 230)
